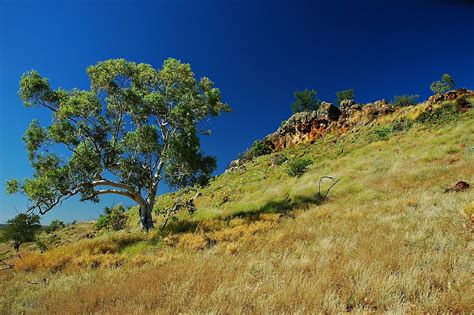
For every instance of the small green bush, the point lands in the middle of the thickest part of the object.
(383, 133)
(446, 113)
(114, 218)
(279, 159)
(259, 148)
(405, 100)
(54, 226)
(345, 95)
(298, 166)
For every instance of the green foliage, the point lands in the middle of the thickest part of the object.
(54, 226)
(345, 95)
(279, 159)
(259, 148)
(445, 84)
(135, 127)
(446, 113)
(298, 166)
(383, 133)
(305, 101)
(22, 229)
(113, 218)
(405, 100)
(12, 186)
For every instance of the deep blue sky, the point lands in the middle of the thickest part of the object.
(256, 52)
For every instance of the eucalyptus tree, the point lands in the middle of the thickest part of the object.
(133, 129)
(445, 84)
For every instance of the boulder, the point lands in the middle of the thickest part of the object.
(345, 105)
(329, 111)
(382, 107)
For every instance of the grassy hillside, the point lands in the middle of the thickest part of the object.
(388, 238)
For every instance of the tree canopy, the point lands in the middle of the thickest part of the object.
(22, 229)
(305, 101)
(135, 127)
(445, 84)
(345, 95)
(405, 100)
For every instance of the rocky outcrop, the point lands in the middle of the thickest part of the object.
(309, 126)
(450, 96)
(301, 127)
(328, 111)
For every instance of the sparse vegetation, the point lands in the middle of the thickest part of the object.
(279, 159)
(54, 226)
(405, 100)
(298, 167)
(305, 101)
(258, 149)
(345, 95)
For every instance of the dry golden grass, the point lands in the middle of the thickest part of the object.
(388, 240)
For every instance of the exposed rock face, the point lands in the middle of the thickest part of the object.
(328, 111)
(346, 105)
(451, 95)
(309, 126)
(301, 127)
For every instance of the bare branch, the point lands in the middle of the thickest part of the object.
(335, 181)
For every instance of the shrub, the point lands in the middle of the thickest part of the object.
(259, 148)
(279, 159)
(306, 101)
(345, 95)
(54, 226)
(405, 100)
(381, 133)
(447, 112)
(114, 218)
(445, 84)
(298, 166)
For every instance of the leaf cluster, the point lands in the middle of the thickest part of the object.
(305, 101)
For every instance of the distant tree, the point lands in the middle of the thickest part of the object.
(114, 218)
(305, 101)
(54, 226)
(135, 128)
(345, 95)
(445, 84)
(405, 100)
(22, 229)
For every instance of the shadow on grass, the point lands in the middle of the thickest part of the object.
(284, 207)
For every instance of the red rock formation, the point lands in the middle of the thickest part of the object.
(309, 126)
(451, 95)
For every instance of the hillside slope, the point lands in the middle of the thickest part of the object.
(389, 238)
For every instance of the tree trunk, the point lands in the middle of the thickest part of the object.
(146, 218)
